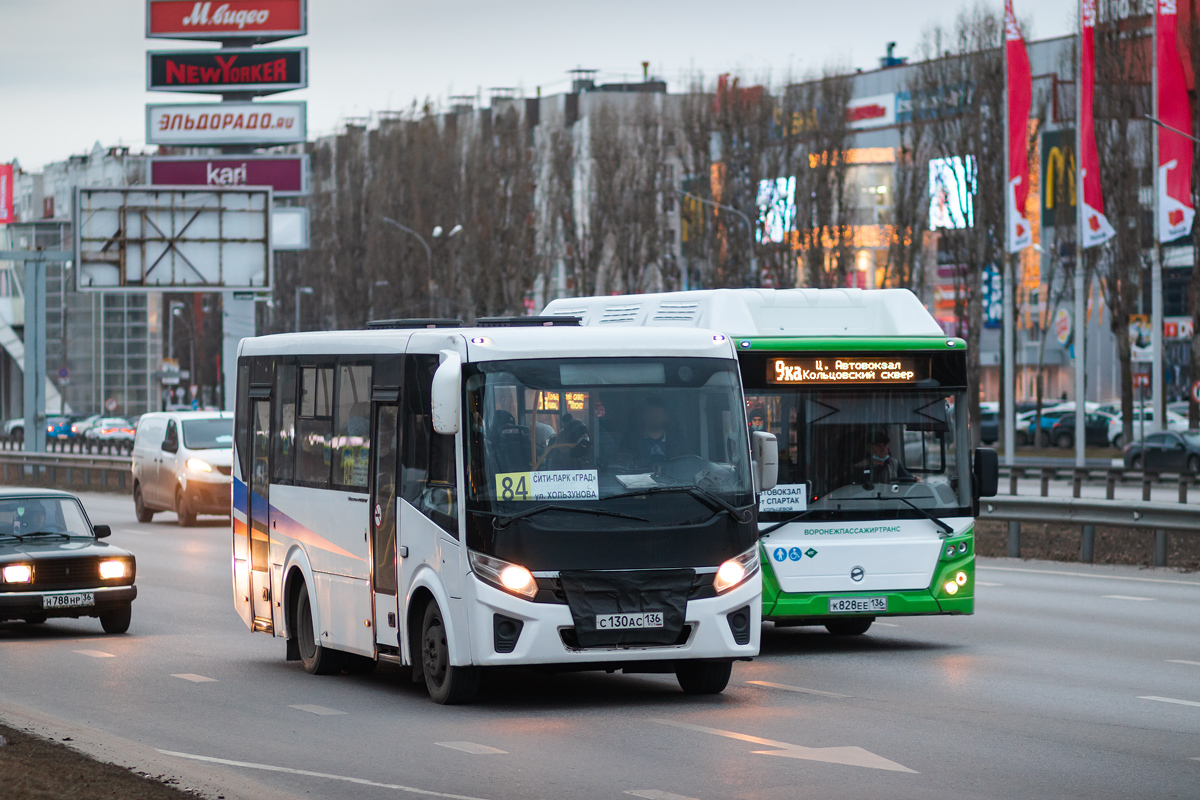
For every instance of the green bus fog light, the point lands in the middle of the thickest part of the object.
(962, 547)
(949, 550)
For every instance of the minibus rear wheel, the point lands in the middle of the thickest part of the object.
(317, 660)
(703, 677)
(446, 683)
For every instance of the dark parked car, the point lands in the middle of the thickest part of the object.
(989, 425)
(1095, 425)
(53, 564)
(1166, 451)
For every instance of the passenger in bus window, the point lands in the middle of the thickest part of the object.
(650, 445)
(571, 447)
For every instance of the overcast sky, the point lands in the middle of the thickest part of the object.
(72, 72)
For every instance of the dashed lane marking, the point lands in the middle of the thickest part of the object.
(95, 653)
(1170, 700)
(189, 676)
(849, 756)
(985, 583)
(1193, 584)
(801, 690)
(472, 748)
(320, 711)
(1181, 661)
(657, 794)
(1127, 597)
(309, 774)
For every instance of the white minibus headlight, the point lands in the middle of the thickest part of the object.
(512, 578)
(18, 573)
(111, 570)
(736, 570)
(198, 465)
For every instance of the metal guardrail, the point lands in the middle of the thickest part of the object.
(66, 471)
(77, 445)
(1111, 477)
(1161, 518)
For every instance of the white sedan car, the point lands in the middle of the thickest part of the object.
(110, 429)
(1116, 433)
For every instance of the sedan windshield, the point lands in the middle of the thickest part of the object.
(585, 431)
(42, 516)
(854, 454)
(208, 434)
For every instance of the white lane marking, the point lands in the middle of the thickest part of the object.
(657, 794)
(890, 624)
(1126, 597)
(194, 678)
(985, 583)
(849, 756)
(307, 773)
(787, 688)
(320, 711)
(1181, 661)
(1089, 575)
(1171, 700)
(95, 653)
(471, 747)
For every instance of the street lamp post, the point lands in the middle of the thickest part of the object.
(746, 219)
(177, 310)
(299, 291)
(371, 298)
(437, 232)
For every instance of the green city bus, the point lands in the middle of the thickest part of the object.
(873, 514)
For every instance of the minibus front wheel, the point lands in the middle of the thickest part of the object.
(703, 677)
(446, 683)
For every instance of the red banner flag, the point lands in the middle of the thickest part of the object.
(1096, 228)
(6, 193)
(1174, 109)
(1020, 96)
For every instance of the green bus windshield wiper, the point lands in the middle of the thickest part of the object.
(938, 520)
(788, 521)
(714, 501)
(504, 522)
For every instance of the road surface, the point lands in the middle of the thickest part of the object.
(1071, 681)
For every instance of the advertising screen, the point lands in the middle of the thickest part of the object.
(260, 20)
(951, 182)
(203, 124)
(227, 70)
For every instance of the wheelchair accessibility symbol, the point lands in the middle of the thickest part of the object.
(795, 554)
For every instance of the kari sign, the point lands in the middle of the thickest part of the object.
(204, 124)
(287, 175)
(227, 70)
(261, 20)
(6, 194)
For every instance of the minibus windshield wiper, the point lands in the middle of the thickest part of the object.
(504, 522)
(937, 520)
(713, 501)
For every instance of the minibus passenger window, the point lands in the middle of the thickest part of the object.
(285, 424)
(314, 429)
(352, 460)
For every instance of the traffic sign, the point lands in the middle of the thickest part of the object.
(64, 373)
(1062, 326)
(110, 404)
(1196, 392)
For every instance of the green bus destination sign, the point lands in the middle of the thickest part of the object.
(842, 370)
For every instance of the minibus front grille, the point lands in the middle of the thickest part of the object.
(550, 590)
(572, 641)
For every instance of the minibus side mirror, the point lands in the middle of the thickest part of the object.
(101, 531)
(447, 386)
(987, 472)
(764, 450)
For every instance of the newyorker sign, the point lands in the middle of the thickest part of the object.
(227, 70)
(211, 124)
(261, 20)
(287, 175)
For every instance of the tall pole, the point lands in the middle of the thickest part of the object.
(428, 254)
(1008, 375)
(1079, 278)
(1159, 423)
(746, 219)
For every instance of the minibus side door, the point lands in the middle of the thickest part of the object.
(384, 517)
(259, 516)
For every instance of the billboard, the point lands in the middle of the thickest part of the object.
(871, 112)
(1058, 177)
(263, 71)
(211, 124)
(260, 20)
(951, 182)
(286, 175)
(776, 209)
(137, 239)
(6, 193)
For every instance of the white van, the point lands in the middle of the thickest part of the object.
(182, 462)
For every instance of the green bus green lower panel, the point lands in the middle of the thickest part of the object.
(780, 605)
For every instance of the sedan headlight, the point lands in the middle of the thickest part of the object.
(111, 570)
(198, 465)
(736, 570)
(512, 578)
(18, 573)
